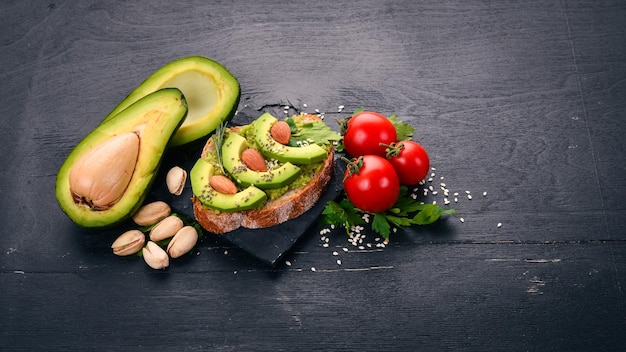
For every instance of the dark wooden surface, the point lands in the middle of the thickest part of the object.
(524, 100)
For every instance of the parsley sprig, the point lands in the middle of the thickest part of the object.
(406, 212)
(314, 131)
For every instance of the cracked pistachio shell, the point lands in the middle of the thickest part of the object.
(175, 180)
(166, 228)
(130, 242)
(184, 240)
(155, 256)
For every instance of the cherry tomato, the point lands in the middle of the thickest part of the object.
(364, 133)
(410, 161)
(371, 183)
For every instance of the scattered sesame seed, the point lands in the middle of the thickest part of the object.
(499, 225)
(345, 249)
(338, 261)
(484, 193)
(226, 252)
(432, 175)
(325, 245)
(305, 105)
(467, 192)
(462, 220)
(456, 200)
(432, 168)
(313, 268)
(288, 263)
(335, 253)
(456, 194)
(469, 196)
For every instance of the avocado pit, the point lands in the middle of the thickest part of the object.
(100, 177)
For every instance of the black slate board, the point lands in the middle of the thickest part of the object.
(269, 244)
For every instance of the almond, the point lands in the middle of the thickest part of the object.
(281, 132)
(222, 184)
(253, 160)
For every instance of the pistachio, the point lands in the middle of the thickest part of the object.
(130, 242)
(99, 178)
(155, 256)
(152, 213)
(175, 180)
(182, 242)
(166, 228)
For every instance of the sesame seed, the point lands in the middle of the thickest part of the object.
(345, 249)
(288, 263)
(313, 269)
(467, 192)
(335, 253)
(338, 261)
(462, 220)
(484, 193)
(499, 225)
(469, 196)
(305, 105)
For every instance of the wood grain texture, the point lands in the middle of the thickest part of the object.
(521, 100)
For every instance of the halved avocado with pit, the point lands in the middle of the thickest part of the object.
(107, 176)
(211, 91)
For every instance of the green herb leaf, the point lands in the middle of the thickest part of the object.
(318, 132)
(380, 225)
(430, 213)
(342, 214)
(404, 130)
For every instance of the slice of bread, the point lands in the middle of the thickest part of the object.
(288, 206)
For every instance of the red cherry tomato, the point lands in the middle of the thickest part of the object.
(410, 161)
(366, 131)
(371, 183)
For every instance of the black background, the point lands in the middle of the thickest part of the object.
(522, 100)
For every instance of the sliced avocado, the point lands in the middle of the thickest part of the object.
(211, 91)
(105, 179)
(249, 198)
(232, 148)
(308, 154)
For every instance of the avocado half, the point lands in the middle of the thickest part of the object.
(211, 91)
(107, 176)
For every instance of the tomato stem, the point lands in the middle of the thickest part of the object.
(354, 166)
(393, 149)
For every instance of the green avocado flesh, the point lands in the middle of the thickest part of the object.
(124, 151)
(211, 91)
(249, 198)
(308, 154)
(232, 148)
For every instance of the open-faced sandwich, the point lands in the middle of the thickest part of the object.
(262, 174)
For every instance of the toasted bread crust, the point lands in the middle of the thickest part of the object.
(290, 205)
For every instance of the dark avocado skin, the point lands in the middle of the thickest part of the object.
(155, 118)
